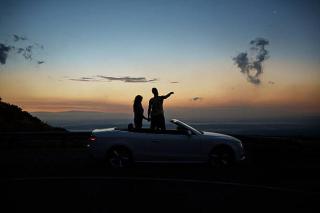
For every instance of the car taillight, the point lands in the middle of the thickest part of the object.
(92, 138)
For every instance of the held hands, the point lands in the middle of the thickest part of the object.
(148, 119)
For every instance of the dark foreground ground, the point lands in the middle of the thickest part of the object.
(42, 174)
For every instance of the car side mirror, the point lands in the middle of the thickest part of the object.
(189, 132)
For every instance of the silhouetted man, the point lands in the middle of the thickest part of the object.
(155, 110)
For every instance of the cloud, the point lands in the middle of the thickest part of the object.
(87, 79)
(174, 82)
(250, 63)
(26, 51)
(259, 42)
(20, 50)
(128, 79)
(102, 78)
(18, 38)
(4, 51)
(242, 61)
(197, 98)
(271, 82)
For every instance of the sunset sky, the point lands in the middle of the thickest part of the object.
(93, 50)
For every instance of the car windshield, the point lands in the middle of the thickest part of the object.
(183, 125)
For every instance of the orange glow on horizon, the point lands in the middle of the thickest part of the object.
(215, 85)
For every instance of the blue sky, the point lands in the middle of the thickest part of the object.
(163, 30)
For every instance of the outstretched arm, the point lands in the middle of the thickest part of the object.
(168, 95)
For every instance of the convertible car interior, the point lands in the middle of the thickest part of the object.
(178, 131)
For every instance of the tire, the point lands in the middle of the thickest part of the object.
(221, 157)
(119, 158)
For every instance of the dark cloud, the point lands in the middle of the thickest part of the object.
(20, 50)
(242, 61)
(4, 51)
(259, 42)
(174, 82)
(128, 79)
(102, 78)
(26, 51)
(251, 64)
(196, 98)
(18, 38)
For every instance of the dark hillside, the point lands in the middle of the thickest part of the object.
(14, 119)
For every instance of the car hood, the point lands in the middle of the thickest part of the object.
(222, 136)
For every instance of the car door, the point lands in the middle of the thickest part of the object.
(173, 147)
(138, 143)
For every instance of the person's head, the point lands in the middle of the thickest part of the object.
(155, 91)
(137, 100)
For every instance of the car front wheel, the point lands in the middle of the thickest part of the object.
(221, 157)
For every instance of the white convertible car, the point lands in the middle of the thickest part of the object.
(185, 144)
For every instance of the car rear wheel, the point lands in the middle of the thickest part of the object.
(221, 157)
(119, 157)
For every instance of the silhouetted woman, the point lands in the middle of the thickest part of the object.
(138, 112)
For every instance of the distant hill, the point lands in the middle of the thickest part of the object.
(85, 120)
(14, 119)
(79, 116)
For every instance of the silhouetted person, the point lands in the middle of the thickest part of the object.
(155, 110)
(138, 112)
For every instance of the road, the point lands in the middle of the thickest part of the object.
(60, 178)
